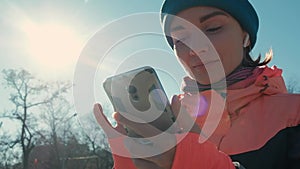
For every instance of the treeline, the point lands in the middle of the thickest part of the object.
(39, 128)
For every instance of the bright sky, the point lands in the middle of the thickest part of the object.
(46, 37)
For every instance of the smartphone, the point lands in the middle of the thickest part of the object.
(140, 93)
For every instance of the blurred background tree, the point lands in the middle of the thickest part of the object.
(47, 133)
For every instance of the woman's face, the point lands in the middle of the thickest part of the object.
(199, 56)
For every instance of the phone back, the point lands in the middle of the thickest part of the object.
(140, 93)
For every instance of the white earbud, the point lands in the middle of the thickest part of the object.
(246, 41)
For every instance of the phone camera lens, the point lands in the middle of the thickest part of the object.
(132, 89)
(135, 98)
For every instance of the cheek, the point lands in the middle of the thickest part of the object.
(230, 53)
(185, 66)
(184, 62)
(182, 56)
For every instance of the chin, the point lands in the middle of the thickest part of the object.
(206, 79)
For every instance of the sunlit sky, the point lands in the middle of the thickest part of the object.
(46, 36)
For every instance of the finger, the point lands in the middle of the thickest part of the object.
(143, 129)
(180, 113)
(110, 131)
(119, 127)
(175, 105)
(183, 118)
(100, 117)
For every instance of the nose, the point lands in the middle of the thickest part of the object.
(192, 53)
(198, 52)
(198, 44)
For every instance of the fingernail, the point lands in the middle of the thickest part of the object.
(117, 116)
(175, 98)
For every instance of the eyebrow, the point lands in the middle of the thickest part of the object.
(202, 19)
(177, 28)
(213, 14)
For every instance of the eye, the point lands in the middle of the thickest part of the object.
(179, 42)
(214, 29)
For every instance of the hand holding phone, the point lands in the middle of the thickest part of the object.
(139, 93)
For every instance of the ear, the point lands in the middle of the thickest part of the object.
(246, 41)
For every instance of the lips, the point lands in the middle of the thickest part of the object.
(200, 64)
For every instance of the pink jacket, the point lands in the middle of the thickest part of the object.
(256, 109)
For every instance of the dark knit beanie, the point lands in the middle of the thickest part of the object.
(241, 10)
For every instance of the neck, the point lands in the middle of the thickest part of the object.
(238, 74)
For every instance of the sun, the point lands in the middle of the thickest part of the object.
(52, 46)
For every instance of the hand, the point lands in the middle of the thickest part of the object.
(110, 131)
(160, 160)
(153, 150)
(118, 131)
(185, 121)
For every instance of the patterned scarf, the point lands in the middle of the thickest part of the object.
(240, 73)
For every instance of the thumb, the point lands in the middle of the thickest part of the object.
(175, 105)
(110, 131)
(183, 118)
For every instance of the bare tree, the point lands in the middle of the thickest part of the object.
(98, 144)
(8, 155)
(27, 94)
(96, 139)
(56, 115)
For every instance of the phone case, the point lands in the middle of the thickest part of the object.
(140, 93)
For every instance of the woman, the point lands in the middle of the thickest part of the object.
(259, 127)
